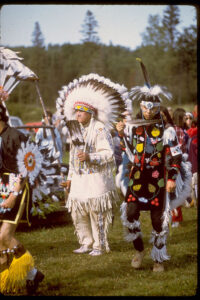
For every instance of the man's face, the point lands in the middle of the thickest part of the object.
(148, 113)
(83, 117)
(47, 120)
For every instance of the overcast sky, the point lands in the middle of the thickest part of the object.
(120, 24)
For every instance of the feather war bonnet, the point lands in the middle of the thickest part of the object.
(106, 99)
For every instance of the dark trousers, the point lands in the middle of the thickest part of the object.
(133, 213)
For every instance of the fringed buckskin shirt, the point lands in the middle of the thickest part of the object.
(92, 182)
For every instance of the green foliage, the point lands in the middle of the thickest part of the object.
(170, 20)
(58, 65)
(47, 205)
(27, 112)
(69, 274)
(170, 57)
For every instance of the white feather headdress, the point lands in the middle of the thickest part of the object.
(108, 99)
(147, 92)
(154, 94)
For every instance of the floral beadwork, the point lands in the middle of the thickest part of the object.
(154, 162)
(137, 174)
(140, 147)
(151, 188)
(137, 187)
(155, 132)
(147, 150)
(155, 202)
(139, 130)
(131, 198)
(155, 174)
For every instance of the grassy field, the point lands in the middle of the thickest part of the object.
(69, 274)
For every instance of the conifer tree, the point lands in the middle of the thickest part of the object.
(170, 22)
(37, 36)
(88, 28)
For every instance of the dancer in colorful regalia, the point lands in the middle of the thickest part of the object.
(27, 174)
(93, 104)
(155, 182)
(16, 261)
(21, 162)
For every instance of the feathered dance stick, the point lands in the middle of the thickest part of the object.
(34, 160)
(12, 71)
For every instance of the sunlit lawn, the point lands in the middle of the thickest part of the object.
(69, 274)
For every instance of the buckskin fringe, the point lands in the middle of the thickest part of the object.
(183, 185)
(159, 238)
(101, 203)
(159, 255)
(129, 236)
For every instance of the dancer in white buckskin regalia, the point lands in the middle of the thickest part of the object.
(93, 104)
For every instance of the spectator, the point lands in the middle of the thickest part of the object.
(195, 111)
(192, 157)
(179, 119)
(188, 120)
(44, 136)
(179, 124)
(170, 110)
(117, 142)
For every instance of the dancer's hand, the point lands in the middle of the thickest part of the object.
(83, 156)
(66, 185)
(3, 94)
(9, 202)
(170, 186)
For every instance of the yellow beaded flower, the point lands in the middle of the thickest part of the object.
(155, 132)
(137, 187)
(140, 147)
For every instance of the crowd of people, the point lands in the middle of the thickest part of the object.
(153, 148)
(185, 123)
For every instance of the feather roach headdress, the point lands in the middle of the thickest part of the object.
(12, 71)
(153, 94)
(149, 93)
(105, 99)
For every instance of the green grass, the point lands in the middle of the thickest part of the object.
(69, 274)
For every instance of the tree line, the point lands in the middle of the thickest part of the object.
(169, 56)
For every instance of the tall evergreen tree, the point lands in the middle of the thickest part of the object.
(37, 36)
(154, 34)
(38, 59)
(170, 22)
(88, 28)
